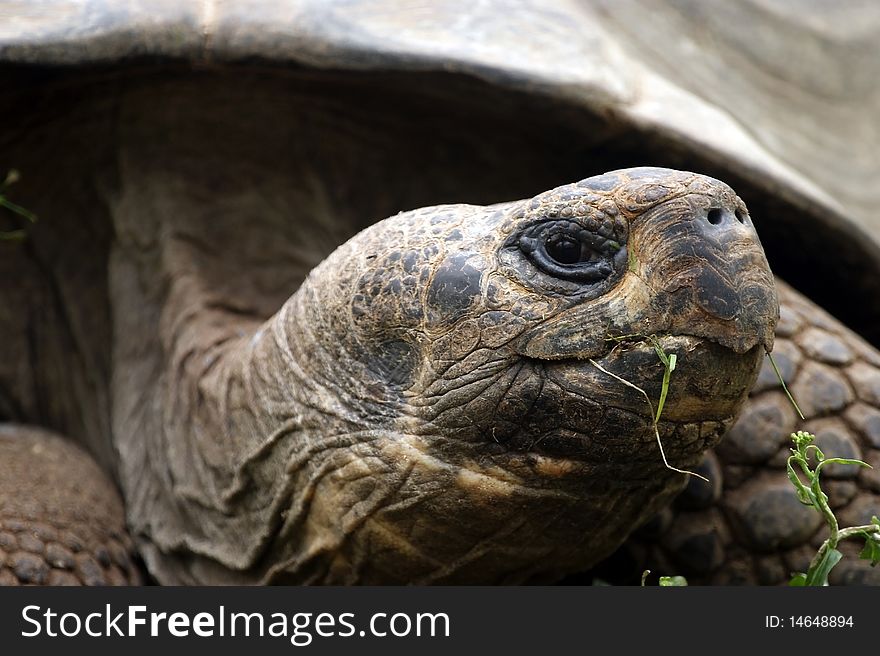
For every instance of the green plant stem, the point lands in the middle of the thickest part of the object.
(18, 209)
(13, 235)
(821, 501)
(838, 535)
(827, 556)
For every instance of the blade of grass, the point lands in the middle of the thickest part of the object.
(18, 209)
(12, 177)
(654, 416)
(664, 390)
(785, 387)
(12, 235)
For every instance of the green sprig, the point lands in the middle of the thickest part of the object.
(12, 177)
(668, 362)
(811, 494)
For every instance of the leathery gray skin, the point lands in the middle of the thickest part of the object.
(423, 408)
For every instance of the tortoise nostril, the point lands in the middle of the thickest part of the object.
(715, 216)
(740, 216)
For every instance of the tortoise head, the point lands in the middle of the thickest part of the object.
(484, 363)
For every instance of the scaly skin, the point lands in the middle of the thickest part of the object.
(423, 408)
(61, 519)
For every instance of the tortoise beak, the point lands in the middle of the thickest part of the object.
(702, 256)
(695, 267)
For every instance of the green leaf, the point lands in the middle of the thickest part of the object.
(818, 575)
(659, 350)
(812, 448)
(12, 235)
(18, 209)
(842, 461)
(871, 551)
(664, 390)
(668, 362)
(798, 580)
(673, 581)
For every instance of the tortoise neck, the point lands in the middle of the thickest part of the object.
(236, 413)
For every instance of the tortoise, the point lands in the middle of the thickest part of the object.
(211, 318)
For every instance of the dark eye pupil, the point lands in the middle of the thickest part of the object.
(564, 251)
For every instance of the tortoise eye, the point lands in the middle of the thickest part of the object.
(565, 250)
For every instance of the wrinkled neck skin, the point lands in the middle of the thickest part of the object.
(397, 421)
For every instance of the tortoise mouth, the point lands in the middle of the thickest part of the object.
(707, 380)
(605, 407)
